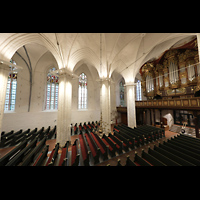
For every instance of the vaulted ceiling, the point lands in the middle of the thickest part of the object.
(121, 52)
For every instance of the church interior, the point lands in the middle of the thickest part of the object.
(99, 99)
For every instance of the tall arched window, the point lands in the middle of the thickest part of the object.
(52, 91)
(11, 89)
(82, 91)
(121, 92)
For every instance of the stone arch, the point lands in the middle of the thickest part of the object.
(16, 41)
(85, 55)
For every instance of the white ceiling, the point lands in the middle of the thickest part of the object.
(121, 52)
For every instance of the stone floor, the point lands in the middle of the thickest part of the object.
(188, 130)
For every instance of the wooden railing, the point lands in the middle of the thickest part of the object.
(180, 104)
(174, 104)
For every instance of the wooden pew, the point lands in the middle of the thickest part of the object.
(32, 155)
(162, 158)
(166, 152)
(36, 134)
(43, 133)
(119, 143)
(64, 155)
(139, 138)
(3, 134)
(4, 160)
(84, 151)
(28, 135)
(19, 157)
(139, 161)
(53, 156)
(151, 159)
(123, 140)
(188, 140)
(129, 162)
(185, 146)
(40, 159)
(110, 144)
(51, 133)
(187, 157)
(93, 148)
(75, 155)
(188, 143)
(119, 163)
(103, 148)
(7, 140)
(19, 137)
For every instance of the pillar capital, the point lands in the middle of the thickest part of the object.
(130, 84)
(64, 72)
(4, 67)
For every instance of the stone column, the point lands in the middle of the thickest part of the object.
(105, 105)
(131, 117)
(4, 72)
(64, 108)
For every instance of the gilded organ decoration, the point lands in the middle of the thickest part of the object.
(175, 73)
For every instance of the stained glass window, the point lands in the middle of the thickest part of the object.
(52, 91)
(121, 89)
(82, 92)
(11, 89)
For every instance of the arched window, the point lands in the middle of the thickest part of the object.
(11, 89)
(82, 91)
(52, 91)
(121, 92)
(138, 91)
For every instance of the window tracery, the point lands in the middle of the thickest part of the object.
(82, 91)
(52, 90)
(11, 89)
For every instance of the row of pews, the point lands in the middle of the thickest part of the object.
(93, 149)
(32, 147)
(89, 148)
(139, 136)
(78, 128)
(182, 150)
(13, 138)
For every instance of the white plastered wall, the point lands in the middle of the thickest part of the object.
(37, 117)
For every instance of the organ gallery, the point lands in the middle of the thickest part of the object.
(176, 73)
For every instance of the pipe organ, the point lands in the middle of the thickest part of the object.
(175, 73)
